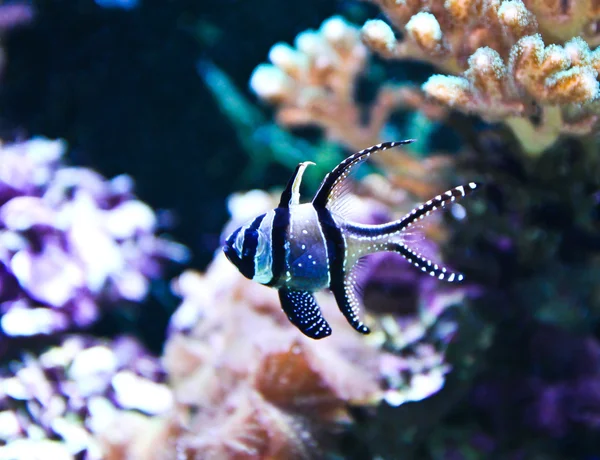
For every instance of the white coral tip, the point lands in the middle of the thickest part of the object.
(514, 13)
(269, 82)
(486, 59)
(447, 89)
(425, 26)
(309, 42)
(336, 29)
(286, 58)
(378, 34)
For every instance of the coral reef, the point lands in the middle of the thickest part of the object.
(70, 241)
(506, 365)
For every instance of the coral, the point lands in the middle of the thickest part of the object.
(72, 398)
(315, 82)
(540, 91)
(512, 70)
(70, 241)
(446, 33)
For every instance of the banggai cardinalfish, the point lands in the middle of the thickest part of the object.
(301, 248)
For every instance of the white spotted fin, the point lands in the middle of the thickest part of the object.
(390, 236)
(303, 312)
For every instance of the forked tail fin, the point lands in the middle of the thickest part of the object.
(365, 239)
(390, 229)
(426, 265)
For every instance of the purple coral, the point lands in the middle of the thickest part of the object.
(63, 402)
(69, 241)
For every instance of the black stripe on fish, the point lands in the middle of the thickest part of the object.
(335, 257)
(332, 185)
(279, 235)
(228, 248)
(246, 265)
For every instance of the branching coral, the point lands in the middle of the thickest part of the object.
(69, 241)
(446, 33)
(511, 70)
(540, 92)
(315, 82)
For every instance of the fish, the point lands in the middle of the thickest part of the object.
(300, 249)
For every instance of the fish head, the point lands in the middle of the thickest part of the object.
(247, 249)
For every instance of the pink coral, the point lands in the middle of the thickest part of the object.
(70, 240)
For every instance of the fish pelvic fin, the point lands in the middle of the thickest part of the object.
(335, 184)
(303, 312)
(291, 194)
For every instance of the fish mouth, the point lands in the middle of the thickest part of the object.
(230, 254)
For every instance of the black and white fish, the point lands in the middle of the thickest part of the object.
(301, 248)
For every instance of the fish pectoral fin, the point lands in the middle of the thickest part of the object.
(344, 289)
(426, 265)
(303, 312)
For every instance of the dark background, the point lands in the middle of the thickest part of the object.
(121, 87)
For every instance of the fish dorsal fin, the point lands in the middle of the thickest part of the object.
(291, 194)
(303, 311)
(335, 184)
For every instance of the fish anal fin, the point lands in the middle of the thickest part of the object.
(303, 312)
(345, 290)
